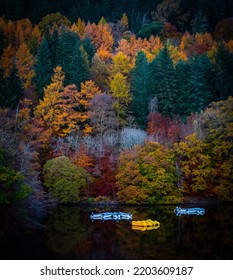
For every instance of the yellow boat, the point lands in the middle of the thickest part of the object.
(145, 225)
(144, 228)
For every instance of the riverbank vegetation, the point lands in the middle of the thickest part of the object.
(114, 106)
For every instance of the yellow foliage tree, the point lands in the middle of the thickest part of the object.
(218, 127)
(195, 166)
(124, 21)
(79, 28)
(121, 64)
(176, 54)
(147, 174)
(120, 91)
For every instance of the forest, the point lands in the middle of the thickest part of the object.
(109, 102)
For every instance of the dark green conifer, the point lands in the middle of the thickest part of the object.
(162, 82)
(89, 48)
(72, 59)
(43, 68)
(182, 89)
(198, 82)
(52, 39)
(140, 90)
(13, 90)
(224, 73)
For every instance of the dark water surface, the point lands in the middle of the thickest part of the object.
(69, 234)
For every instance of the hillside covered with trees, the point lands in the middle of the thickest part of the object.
(101, 101)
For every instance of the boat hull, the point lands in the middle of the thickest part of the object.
(145, 224)
(189, 211)
(104, 216)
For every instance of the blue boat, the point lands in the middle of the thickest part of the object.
(189, 211)
(116, 216)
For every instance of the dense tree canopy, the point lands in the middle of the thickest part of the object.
(121, 92)
(65, 180)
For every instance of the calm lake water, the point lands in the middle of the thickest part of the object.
(70, 234)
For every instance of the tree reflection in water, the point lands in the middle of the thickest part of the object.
(71, 235)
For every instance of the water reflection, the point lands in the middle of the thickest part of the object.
(70, 234)
(65, 230)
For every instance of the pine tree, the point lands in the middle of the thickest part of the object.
(89, 48)
(182, 89)
(199, 23)
(193, 85)
(14, 89)
(161, 82)
(43, 68)
(72, 59)
(139, 90)
(224, 73)
(52, 39)
(198, 83)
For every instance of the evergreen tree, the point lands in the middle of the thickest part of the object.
(199, 23)
(72, 59)
(43, 68)
(52, 39)
(182, 89)
(14, 89)
(161, 83)
(89, 48)
(224, 73)
(199, 95)
(139, 90)
(194, 83)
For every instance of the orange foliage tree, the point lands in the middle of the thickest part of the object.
(101, 36)
(56, 108)
(88, 90)
(130, 48)
(24, 62)
(7, 59)
(23, 31)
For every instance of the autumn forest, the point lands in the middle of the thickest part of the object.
(102, 101)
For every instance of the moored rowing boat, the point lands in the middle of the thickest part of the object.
(111, 216)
